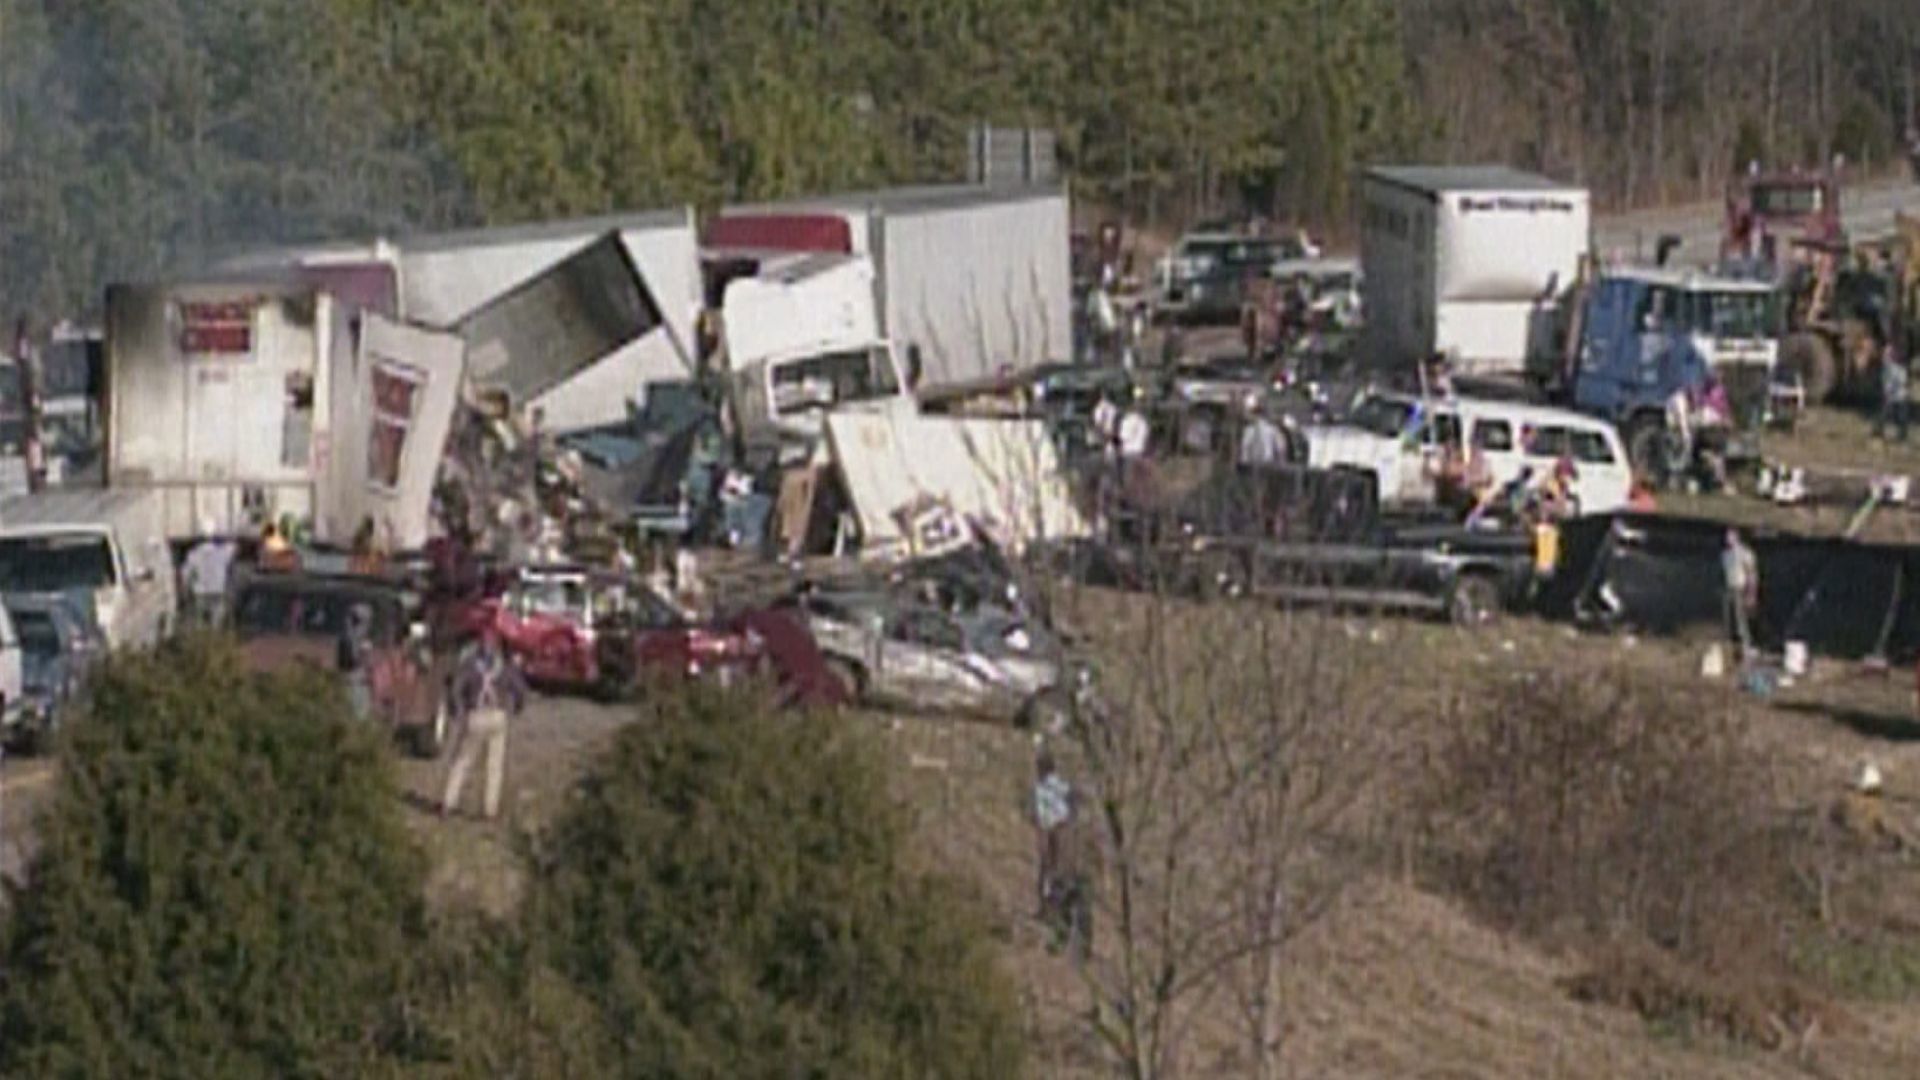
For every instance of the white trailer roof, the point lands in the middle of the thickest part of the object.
(1446, 178)
(906, 199)
(70, 507)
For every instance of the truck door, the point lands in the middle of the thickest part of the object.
(1421, 461)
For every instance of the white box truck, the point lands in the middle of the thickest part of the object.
(968, 281)
(1466, 260)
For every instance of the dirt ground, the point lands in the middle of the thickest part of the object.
(1397, 982)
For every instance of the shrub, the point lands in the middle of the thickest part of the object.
(733, 893)
(223, 886)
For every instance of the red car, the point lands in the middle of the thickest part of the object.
(578, 629)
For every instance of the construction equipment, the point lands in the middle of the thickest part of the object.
(1841, 299)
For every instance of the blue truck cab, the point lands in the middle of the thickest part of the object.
(1647, 333)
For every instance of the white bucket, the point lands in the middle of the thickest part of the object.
(1796, 658)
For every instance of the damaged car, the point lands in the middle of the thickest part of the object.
(577, 629)
(895, 652)
(284, 619)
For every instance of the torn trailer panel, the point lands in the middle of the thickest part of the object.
(395, 389)
(1004, 477)
(1659, 575)
(550, 330)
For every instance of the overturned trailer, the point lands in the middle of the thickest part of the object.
(442, 280)
(1842, 598)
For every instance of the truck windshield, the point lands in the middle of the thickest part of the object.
(1788, 199)
(1383, 416)
(1745, 315)
(55, 563)
(820, 382)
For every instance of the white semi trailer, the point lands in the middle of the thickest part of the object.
(1468, 261)
(968, 281)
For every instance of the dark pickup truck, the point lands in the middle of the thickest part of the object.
(1313, 536)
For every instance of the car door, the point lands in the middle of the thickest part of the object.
(924, 657)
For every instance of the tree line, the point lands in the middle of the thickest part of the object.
(140, 136)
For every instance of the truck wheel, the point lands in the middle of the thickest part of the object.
(1048, 713)
(1473, 601)
(1811, 357)
(850, 675)
(1220, 576)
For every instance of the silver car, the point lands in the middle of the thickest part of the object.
(903, 654)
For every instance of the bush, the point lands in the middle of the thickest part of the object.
(1631, 824)
(223, 886)
(732, 893)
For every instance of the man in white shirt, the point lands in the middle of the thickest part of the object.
(1135, 434)
(1262, 443)
(206, 571)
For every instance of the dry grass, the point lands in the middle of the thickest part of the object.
(1399, 981)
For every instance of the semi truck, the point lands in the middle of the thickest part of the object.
(1467, 261)
(968, 281)
(802, 337)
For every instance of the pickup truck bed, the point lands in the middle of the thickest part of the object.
(1471, 576)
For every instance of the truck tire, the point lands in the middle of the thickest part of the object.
(1219, 575)
(1474, 600)
(1811, 357)
(1048, 713)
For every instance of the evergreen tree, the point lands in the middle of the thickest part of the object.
(222, 889)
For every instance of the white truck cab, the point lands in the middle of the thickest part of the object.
(111, 545)
(803, 338)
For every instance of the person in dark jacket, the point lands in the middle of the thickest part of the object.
(488, 690)
(352, 656)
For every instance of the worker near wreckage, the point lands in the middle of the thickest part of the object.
(1740, 571)
(488, 691)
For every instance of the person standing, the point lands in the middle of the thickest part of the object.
(353, 656)
(206, 572)
(1740, 571)
(1894, 384)
(1262, 444)
(1052, 811)
(488, 691)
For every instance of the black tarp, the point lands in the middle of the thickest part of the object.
(1842, 598)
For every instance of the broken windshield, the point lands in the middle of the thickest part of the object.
(1383, 416)
(1788, 200)
(820, 382)
(55, 563)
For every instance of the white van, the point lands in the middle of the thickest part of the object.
(1400, 438)
(109, 545)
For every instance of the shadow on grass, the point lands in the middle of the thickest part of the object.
(1893, 727)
